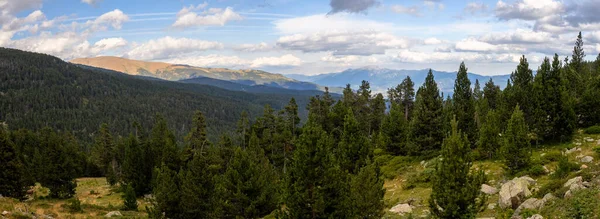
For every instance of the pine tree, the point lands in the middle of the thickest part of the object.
(306, 196)
(164, 146)
(464, 107)
(129, 199)
(242, 129)
(377, 112)
(103, 153)
(489, 135)
(408, 96)
(167, 192)
(578, 57)
(198, 186)
(426, 125)
(196, 138)
(133, 165)
(491, 95)
(354, 148)
(395, 131)
(366, 191)
(455, 188)
(522, 89)
(11, 173)
(249, 186)
(516, 147)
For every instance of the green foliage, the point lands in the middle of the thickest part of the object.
(516, 148)
(11, 174)
(129, 199)
(583, 204)
(464, 104)
(366, 193)
(564, 168)
(426, 126)
(455, 191)
(551, 156)
(167, 192)
(489, 135)
(394, 132)
(393, 167)
(536, 170)
(73, 205)
(553, 186)
(592, 130)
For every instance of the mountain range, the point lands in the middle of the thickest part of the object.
(381, 79)
(175, 72)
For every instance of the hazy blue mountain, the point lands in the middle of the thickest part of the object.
(236, 86)
(383, 78)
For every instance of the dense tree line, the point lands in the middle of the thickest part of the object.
(325, 168)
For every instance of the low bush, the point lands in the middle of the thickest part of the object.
(536, 170)
(73, 205)
(592, 130)
(551, 156)
(565, 167)
(550, 187)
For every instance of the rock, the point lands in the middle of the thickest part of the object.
(488, 189)
(588, 139)
(546, 169)
(491, 206)
(576, 180)
(543, 154)
(114, 214)
(583, 166)
(587, 159)
(401, 209)
(514, 192)
(548, 197)
(536, 216)
(529, 179)
(573, 150)
(532, 203)
(568, 194)
(577, 143)
(4, 213)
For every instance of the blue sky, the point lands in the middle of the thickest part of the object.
(306, 36)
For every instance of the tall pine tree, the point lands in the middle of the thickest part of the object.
(516, 147)
(464, 107)
(426, 125)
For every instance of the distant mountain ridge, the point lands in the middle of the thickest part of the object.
(175, 72)
(381, 79)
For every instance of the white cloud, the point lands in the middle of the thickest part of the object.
(520, 36)
(528, 9)
(321, 22)
(474, 45)
(261, 47)
(211, 61)
(474, 8)
(213, 17)
(413, 10)
(91, 2)
(343, 42)
(65, 45)
(114, 18)
(166, 47)
(110, 43)
(446, 57)
(432, 41)
(283, 61)
(344, 60)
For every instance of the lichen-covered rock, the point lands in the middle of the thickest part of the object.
(514, 192)
(402, 209)
(488, 189)
(587, 159)
(536, 216)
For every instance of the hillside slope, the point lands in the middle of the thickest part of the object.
(40, 90)
(176, 72)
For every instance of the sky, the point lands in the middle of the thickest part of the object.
(306, 36)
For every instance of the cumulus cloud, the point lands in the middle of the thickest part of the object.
(413, 10)
(211, 17)
(321, 22)
(475, 45)
(528, 9)
(287, 60)
(343, 42)
(519, 36)
(167, 47)
(345, 60)
(110, 43)
(445, 57)
(261, 47)
(114, 18)
(432, 41)
(351, 6)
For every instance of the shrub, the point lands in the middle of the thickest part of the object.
(592, 130)
(550, 187)
(129, 199)
(74, 205)
(395, 166)
(597, 150)
(551, 156)
(536, 170)
(584, 204)
(565, 167)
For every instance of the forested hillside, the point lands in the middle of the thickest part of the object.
(40, 90)
(353, 158)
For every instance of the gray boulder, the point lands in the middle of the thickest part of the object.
(536, 216)
(114, 214)
(488, 189)
(402, 209)
(514, 192)
(587, 159)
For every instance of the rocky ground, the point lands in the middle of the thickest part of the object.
(544, 191)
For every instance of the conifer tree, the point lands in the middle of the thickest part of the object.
(491, 95)
(395, 131)
(463, 104)
(196, 138)
(455, 188)
(377, 112)
(366, 191)
(243, 126)
(578, 57)
(522, 89)
(103, 153)
(133, 166)
(129, 199)
(249, 186)
(164, 146)
(489, 135)
(354, 147)
(516, 147)
(167, 192)
(426, 125)
(11, 171)
(408, 96)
